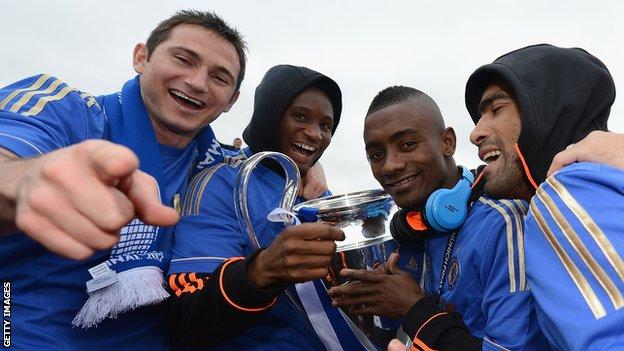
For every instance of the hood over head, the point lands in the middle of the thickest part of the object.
(279, 87)
(562, 94)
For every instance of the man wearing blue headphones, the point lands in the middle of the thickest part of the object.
(473, 255)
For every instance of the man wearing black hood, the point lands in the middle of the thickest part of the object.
(529, 105)
(272, 299)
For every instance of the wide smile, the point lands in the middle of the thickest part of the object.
(491, 157)
(186, 101)
(401, 185)
(303, 152)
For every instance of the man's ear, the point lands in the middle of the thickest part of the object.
(139, 57)
(449, 142)
(232, 101)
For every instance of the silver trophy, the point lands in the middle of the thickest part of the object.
(363, 216)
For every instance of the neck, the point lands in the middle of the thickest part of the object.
(452, 176)
(168, 137)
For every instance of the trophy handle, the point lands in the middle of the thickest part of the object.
(289, 196)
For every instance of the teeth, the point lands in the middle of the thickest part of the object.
(185, 97)
(305, 147)
(491, 154)
(404, 181)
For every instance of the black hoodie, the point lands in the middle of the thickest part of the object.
(279, 87)
(563, 94)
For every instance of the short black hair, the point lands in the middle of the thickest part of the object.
(398, 94)
(208, 20)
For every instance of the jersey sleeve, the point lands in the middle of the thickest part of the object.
(574, 257)
(42, 113)
(507, 304)
(213, 299)
(208, 232)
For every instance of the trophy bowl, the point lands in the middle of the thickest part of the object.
(364, 217)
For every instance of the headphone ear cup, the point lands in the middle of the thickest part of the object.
(430, 212)
(446, 209)
(404, 234)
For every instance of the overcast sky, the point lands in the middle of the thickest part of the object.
(364, 45)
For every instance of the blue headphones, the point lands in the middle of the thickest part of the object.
(445, 211)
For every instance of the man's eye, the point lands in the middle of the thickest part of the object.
(221, 79)
(375, 156)
(326, 127)
(409, 144)
(299, 116)
(182, 60)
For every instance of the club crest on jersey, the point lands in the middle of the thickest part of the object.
(453, 274)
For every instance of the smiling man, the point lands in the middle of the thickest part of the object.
(528, 105)
(76, 197)
(270, 298)
(474, 267)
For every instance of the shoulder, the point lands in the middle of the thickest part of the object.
(586, 177)
(500, 226)
(583, 193)
(31, 96)
(504, 211)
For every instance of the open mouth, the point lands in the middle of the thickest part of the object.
(303, 150)
(186, 100)
(491, 156)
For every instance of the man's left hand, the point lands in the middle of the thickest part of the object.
(388, 292)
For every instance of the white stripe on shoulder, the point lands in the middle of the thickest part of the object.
(511, 216)
(35, 86)
(494, 345)
(577, 277)
(518, 221)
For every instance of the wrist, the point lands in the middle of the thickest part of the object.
(12, 174)
(257, 272)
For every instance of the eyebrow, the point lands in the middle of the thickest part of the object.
(488, 101)
(310, 111)
(196, 56)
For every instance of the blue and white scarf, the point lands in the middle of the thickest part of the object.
(133, 274)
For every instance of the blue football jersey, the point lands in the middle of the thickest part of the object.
(485, 277)
(38, 115)
(574, 247)
(209, 233)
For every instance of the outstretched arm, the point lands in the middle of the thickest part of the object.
(74, 200)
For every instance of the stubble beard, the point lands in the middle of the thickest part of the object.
(509, 182)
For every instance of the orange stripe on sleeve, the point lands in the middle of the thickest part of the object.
(226, 297)
(422, 345)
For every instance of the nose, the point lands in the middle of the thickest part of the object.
(479, 133)
(393, 164)
(313, 131)
(197, 80)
